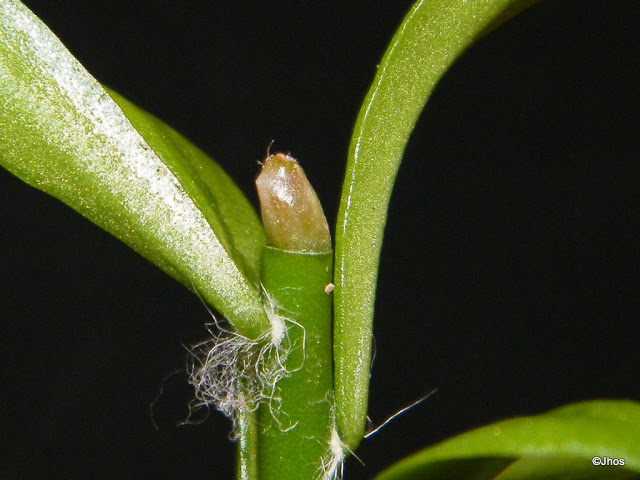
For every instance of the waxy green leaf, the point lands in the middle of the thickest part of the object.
(586, 440)
(432, 35)
(126, 171)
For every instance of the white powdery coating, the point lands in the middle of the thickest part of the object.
(278, 329)
(115, 154)
(282, 186)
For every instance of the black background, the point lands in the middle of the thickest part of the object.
(509, 277)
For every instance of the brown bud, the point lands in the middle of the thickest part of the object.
(291, 212)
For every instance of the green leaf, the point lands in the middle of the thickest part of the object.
(559, 444)
(129, 173)
(235, 220)
(432, 35)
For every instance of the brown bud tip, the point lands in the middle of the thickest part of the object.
(291, 212)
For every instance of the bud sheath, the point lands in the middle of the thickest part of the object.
(291, 212)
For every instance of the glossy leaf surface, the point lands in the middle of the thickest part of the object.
(559, 444)
(432, 35)
(129, 173)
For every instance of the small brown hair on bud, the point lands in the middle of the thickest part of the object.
(291, 212)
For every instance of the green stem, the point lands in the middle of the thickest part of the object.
(247, 453)
(296, 424)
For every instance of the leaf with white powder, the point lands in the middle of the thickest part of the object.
(124, 170)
